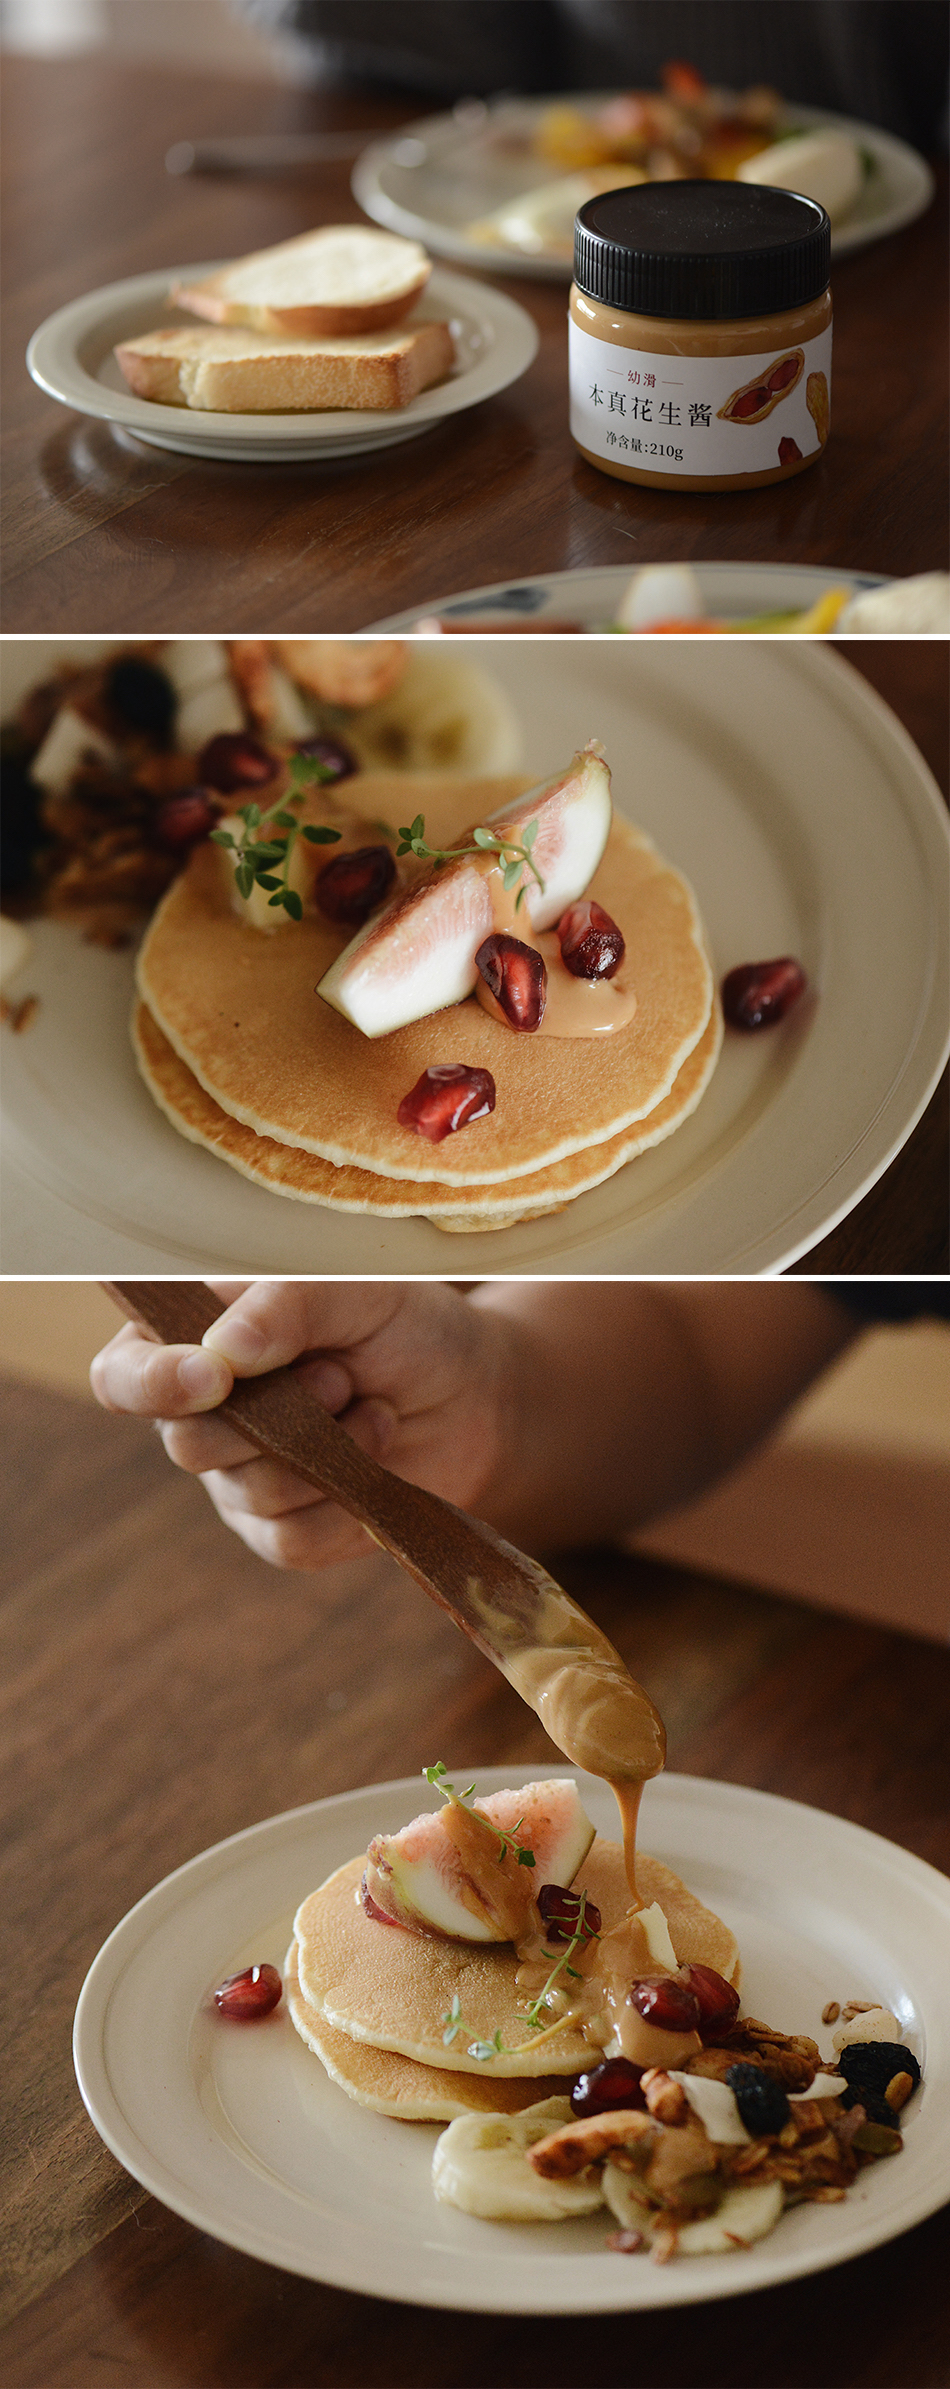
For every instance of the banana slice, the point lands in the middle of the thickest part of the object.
(444, 716)
(743, 2215)
(480, 2166)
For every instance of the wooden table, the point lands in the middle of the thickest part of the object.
(163, 1688)
(104, 532)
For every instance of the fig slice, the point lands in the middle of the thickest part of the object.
(446, 1874)
(418, 955)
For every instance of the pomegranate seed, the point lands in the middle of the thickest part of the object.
(756, 993)
(592, 946)
(718, 2002)
(561, 1914)
(789, 452)
(447, 1097)
(183, 819)
(333, 755)
(516, 977)
(349, 888)
(378, 1915)
(233, 760)
(244, 1997)
(665, 2001)
(616, 2083)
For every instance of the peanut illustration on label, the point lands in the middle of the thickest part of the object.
(818, 403)
(756, 399)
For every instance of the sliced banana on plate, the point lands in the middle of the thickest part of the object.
(480, 2165)
(445, 715)
(743, 2215)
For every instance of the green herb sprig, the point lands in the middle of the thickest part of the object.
(265, 862)
(562, 1965)
(515, 859)
(438, 1777)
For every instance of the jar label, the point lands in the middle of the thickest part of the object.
(700, 415)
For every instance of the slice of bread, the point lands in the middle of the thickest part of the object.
(342, 278)
(235, 372)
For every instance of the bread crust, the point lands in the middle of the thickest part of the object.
(402, 281)
(172, 369)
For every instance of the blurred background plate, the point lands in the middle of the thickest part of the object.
(590, 598)
(434, 179)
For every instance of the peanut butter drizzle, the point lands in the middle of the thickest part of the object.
(574, 1007)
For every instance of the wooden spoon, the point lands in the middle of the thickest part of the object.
(511, 1608)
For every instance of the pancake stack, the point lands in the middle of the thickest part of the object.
(246, 1059)
(370, 2000)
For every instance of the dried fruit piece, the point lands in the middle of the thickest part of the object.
(448, 1096)
(143, 697)
(183, 819)
(349, 888)
(246, 1996)
(761, 2101)
(232, 760)
(515, 975)
(664, 2000)
(567, 1914)
(615, 2083)
(757, 993)
(871, 2065)
(331, 752)
(718, 2001)
(592, 946)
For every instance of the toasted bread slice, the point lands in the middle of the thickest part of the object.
(237, 372)
(342, 278)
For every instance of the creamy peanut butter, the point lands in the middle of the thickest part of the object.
(573, 1007)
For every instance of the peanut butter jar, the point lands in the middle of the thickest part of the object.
(700, 334)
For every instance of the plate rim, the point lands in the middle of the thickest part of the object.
(278, 436)
(704, 567)
(802, 117)
(126, 1940)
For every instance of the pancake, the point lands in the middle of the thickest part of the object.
(392, 1989)
(239, 1009)
(395, 2085)
(286, 1170)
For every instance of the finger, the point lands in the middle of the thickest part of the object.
(197, 1444)
(262, 1489)
(272, 1324)
(305, 1539)
(151, 1380)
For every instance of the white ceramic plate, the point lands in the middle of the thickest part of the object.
(591, 596)
(239, 2130)
(808, 824)
(433, 179)
(70, 356)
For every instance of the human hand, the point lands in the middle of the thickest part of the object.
(416, 1374)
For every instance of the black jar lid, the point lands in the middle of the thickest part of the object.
(704, 251)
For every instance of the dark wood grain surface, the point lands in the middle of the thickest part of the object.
(162, 1688)
(103, 532)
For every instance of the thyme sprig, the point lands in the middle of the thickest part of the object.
(265, 862)
(453, 2022)
(515, 859)
(438, 1777)
(562, 1965)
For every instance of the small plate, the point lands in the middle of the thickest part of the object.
(70, 356)
(592, 595)
(433, 179)
(799, 809)
(239, 2130)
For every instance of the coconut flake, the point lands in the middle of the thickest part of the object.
(716, 2106)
